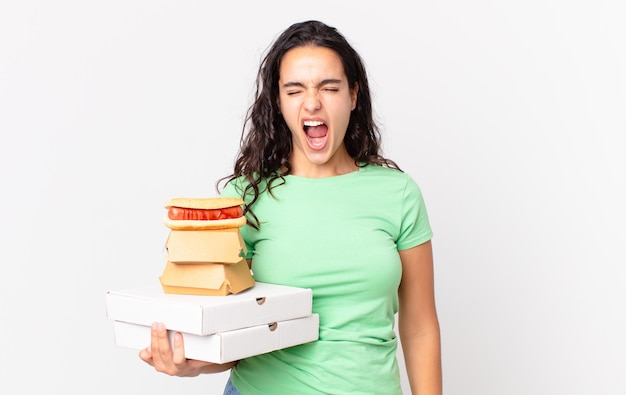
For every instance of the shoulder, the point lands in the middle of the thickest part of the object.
(383, 171)
(387, 176)
(242, 188)
(234, 188)
(395, 183)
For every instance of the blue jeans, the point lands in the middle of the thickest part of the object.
(230, 389)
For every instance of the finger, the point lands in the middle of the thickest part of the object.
(146, 355)
(179, 349)
(160, 346)
(163, 341)
(154, 340)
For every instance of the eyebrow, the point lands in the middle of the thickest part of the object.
(322, 83)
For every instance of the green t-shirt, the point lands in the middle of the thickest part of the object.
(340, 237)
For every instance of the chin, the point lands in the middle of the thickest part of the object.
(318, 159)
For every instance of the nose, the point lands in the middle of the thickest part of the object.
(312, 101)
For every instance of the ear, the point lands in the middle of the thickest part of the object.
(353, 94)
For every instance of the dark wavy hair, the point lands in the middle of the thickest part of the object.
(265, 145)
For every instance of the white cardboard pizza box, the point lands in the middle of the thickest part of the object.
(206, 315)
(230, 345)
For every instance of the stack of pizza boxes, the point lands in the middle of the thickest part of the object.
(206, 257)
(208, 293)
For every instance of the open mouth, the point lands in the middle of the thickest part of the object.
(316, 132)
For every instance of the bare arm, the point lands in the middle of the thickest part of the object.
(164, 359)
(418, 323)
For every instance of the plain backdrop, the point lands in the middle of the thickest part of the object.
(510, 115)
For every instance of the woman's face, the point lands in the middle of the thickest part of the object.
(316, 101)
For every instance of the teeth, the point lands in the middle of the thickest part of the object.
(313, 123)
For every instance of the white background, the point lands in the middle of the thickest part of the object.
(509, 114)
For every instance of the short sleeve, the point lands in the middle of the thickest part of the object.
(415, 226)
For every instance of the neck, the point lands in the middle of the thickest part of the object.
(336, 167)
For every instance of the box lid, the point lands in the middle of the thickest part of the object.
(231, 345)
(206, 279)
(216, 245)
(203, 315)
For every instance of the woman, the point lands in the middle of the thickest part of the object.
(328, 212)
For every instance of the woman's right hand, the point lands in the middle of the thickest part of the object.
(171, 360)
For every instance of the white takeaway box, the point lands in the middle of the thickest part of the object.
(230, 345)
(203, 315)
